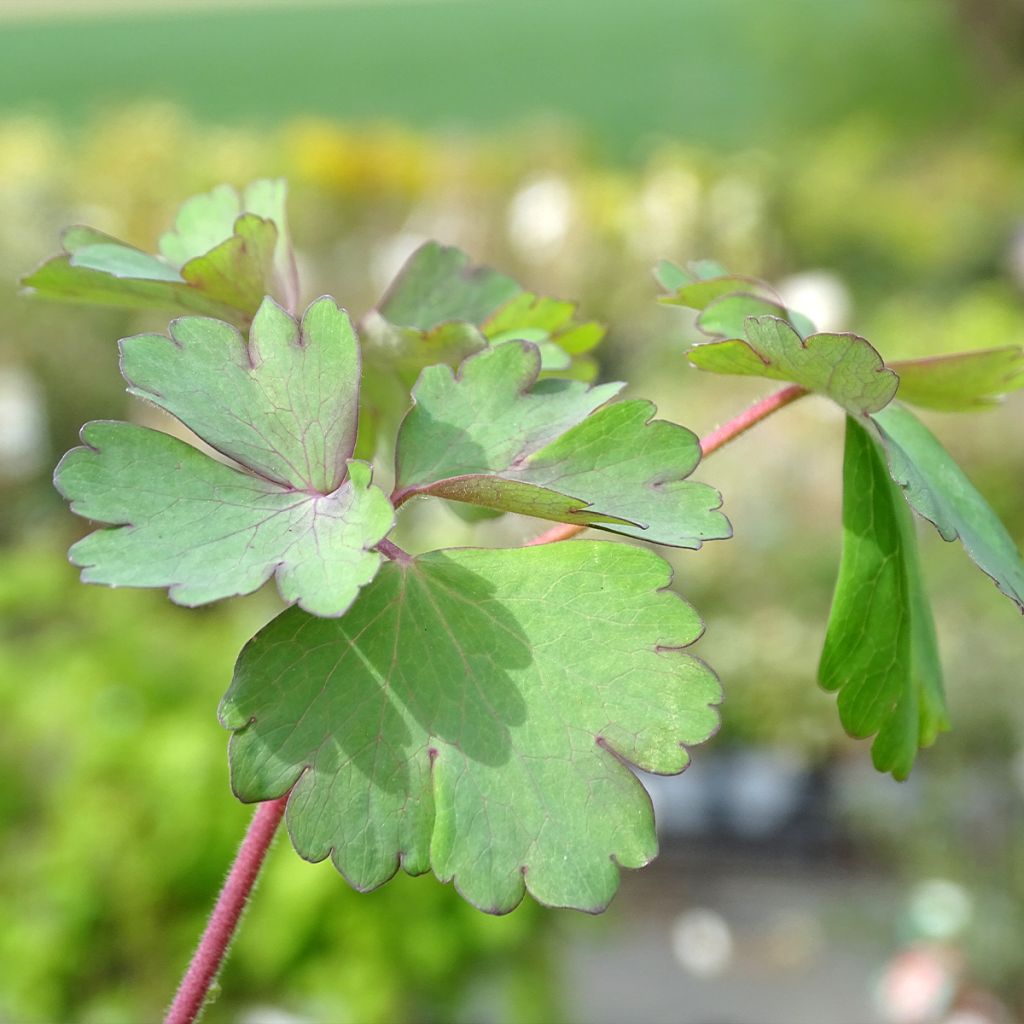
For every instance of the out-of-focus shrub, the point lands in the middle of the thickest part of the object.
(116, 826)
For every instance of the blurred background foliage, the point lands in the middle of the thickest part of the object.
(866, 157)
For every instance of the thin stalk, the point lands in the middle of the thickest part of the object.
(393, 552)
(749, 417)
(220, 929)
(715, 440)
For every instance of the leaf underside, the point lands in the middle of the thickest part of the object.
(880, 649)
(228, 251)
(471, 714)
(283, 406)
(938, 489)
(723, 301)
(494, 436)
(963, 381)
(844, 367)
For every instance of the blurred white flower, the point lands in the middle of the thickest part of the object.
(22, 423)
(539, 217)
(820, 295)
(666, 213)
(939, 908)
(735, 207)
(702, 942)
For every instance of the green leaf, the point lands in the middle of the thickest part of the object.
(702, 293)
(937, 488)
(545, 321)
(966, 380)
(471, 714)
(226, 253)
(880, 650)
(283, 406)
(727, 317)
(438, 284)
(844, 367)
(673, 277)
(442, 308)
(724, 301)
(206, 221)
(670, 276)
(112, 274)
(238, 271)
(494, 436)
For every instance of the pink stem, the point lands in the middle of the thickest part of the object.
(220, 929)
(715, 440)
(749, 417)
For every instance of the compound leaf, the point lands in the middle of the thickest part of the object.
(880, 650)
(443, 308)
(471, 714)
(937, 489)
(283, 406)
(845, 367)
(492, 435)
(966, 380)
(226, 253)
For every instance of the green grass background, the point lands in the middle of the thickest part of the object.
(723, 72)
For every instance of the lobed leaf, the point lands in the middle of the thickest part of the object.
(438, 284)
(443, 308)
(966, 380)
(226, 253)
(844, 367)
(284, 407)
(880, 649)
(724, 301)
(937, 489)
(492, 435)
(474, 713)
(726, 318)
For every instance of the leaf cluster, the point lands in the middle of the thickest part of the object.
(880, 651)
(475, 712)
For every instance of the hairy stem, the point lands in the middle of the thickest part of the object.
(223, 923)
(715, 440)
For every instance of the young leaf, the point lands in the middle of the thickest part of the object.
(966, 380)
(284, 407)
(880, 651)
(471, 714)
(726, 317)
(227, 252)
(724, 301)
(937, 488)
(442, 308)
(671, 277)
(492, 435)
(844, 367)
(438, 284)
(706, 282)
